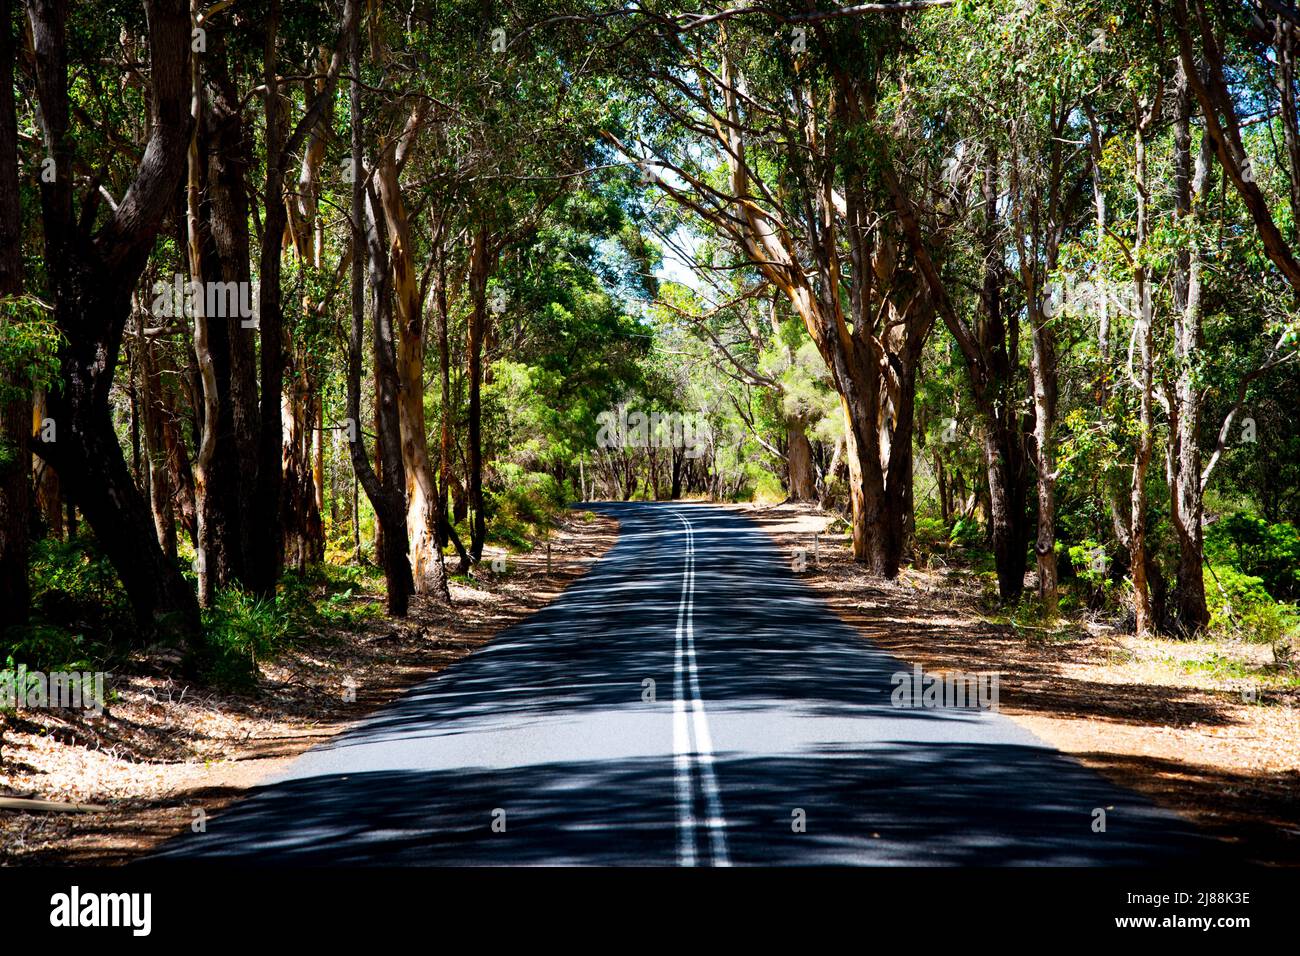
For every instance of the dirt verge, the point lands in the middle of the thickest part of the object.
(1171, 719)
(166, 750)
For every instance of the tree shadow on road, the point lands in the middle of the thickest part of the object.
(777, 670)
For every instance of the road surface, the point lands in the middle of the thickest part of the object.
(768, 736)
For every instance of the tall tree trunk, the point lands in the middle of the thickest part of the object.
(446, 532)
(180, 474)
(302, 498)
(991, 351)
(92, 278)
(45, 480)
(1183, 401)
(316, 527)
(944, 489)
(233, 479)
(298, 497)
(151, 404)
(280, 143)
(1043, 371)
(386, 497)
(15, 393)
(423, 512)
(801, 481)
(212, 554)
(1005, 457)
(1144, 340)
(1006, 467)
(265, 510)
(1036, 250)
(478, 319)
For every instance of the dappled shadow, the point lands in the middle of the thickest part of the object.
(940, 804)
(921, 619)
(163, 722)
(766, 642)
(122, 832)
(1255, 811)
(554, 724)
(930, 622)
(1038, 684)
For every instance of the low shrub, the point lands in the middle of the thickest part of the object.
(1091, 579)
(1241, 606)
(239, 630)
(522, 505)
(75, 588)
(930, 532)
(46, 647)
(967, 533)
(1254, 547)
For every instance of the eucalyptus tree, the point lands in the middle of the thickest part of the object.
(766, 139)
(1185, 250)
(984, 185)
(369, 260)
(94, 256)
(746, 321)
(516, 125)
(240, 56)
(15, 394)
(1256, 40)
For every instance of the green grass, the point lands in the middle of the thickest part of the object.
(1223, 667)
(1218, 665)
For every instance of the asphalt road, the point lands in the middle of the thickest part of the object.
(770, 738)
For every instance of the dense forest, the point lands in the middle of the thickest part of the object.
(302, 288)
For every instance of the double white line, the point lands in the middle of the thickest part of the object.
(692, 743)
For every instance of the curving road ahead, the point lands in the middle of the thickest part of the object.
(768, 736)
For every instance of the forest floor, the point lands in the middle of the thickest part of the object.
(165, 753)
(1171, 719)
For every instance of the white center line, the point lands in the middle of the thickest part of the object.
(681, 740)
(701, 753)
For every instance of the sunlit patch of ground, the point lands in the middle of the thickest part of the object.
(166, 749)
(1210, 729)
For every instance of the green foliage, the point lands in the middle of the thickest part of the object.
(967, 533)
(29, 347)
(44, 647)
(523, 506)
(1241, 606)
(327, 596)
(615, 294)
(766, 487)
(1270, 553)
(1092, 584)
(805, 394)
(930, 537)
(930, 531)
(238, 630)
(1030, 619)
(75, 588)
(1220, 666)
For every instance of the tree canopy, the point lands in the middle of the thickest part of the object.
(285, 282)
